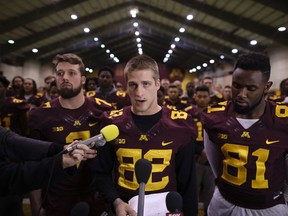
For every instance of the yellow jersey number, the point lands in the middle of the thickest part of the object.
(136, 154)
(240, 162)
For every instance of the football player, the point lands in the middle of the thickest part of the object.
(246, 142)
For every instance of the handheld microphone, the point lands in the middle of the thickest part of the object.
(80, 209)
(143, 170)
(107, 134)
(174, 204)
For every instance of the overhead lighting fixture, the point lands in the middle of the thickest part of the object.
(96, 38)
(204, 64)
(134, 12)
(11, 41)
(139, 45)
(189, 17)
(90, 70)
(165, 60)
(222, 57)
(107, 51)
(138, 40)
(182, 30)
(198, 67)
(212, 61)
(35, 50)
(135, 24)
(234, 51)
(137, 33)
(86, 30)
(282, 28)
(170, 51)
(177, 39)
(103, 46)
(112, 55)
(74, 16)
(173, 46)
(253, 42)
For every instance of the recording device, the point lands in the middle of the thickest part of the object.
(80, 209)
(107, 134)
(143, 170)
(174, 204)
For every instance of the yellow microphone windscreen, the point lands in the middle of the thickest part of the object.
(110, 132)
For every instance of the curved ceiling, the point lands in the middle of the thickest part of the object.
(217, 27)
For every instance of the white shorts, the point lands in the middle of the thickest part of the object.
(221, 207)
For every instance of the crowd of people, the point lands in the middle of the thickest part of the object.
(222, 146)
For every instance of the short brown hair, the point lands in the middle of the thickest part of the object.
(70, 58)
(141, 62)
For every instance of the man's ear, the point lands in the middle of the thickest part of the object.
(268, 86)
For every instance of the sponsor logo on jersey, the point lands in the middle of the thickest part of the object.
(222, 136)
(269, 142)
(120, 141)
(92, 124)
(57, 129)
(166, 143)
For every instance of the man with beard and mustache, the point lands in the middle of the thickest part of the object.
(246, 142)
(71, 116)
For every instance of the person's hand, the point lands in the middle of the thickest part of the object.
(82, 152)
(122, 208)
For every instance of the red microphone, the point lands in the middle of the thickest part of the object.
(174, 204)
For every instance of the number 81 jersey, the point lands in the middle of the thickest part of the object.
(250, 162)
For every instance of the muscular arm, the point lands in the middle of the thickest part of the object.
(186, 179)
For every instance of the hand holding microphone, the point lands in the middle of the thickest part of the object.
(80, 150)
(107, 134)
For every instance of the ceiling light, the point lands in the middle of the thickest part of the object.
(177, 39)
(96, 39)
(137, 33)
(107, 51)
(282, 28)
(116, 59)
(139, 45)
(194, 69)
(198, 67)
(138, 40)
(35, 50)
(170, 51)
(134, 12)
(11, 41)
(86, 30)
(103, 46)
(165, 59)
(204, 65)
(90, 70)
(135, 24)
(182, 30)
(111, 55)
(74, 16)
(189, 17)
(221, 56)
(140, 51)
(173, 46)
(212, 61)
(167, 55)
(253, 42)
(87, 69)
(234, 51)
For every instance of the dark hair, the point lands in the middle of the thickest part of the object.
(70, 58)
(15, 77)
(53, 83)
(161, 89)
(5, 82)
(202, 88)
(255, 61)
(106, 68)
(22, 92)
(87, 81)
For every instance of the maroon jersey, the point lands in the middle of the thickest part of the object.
(118, 99)
(52, 122)
(161, 145)
(180, 104)
(13, 115)
(249, 162)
